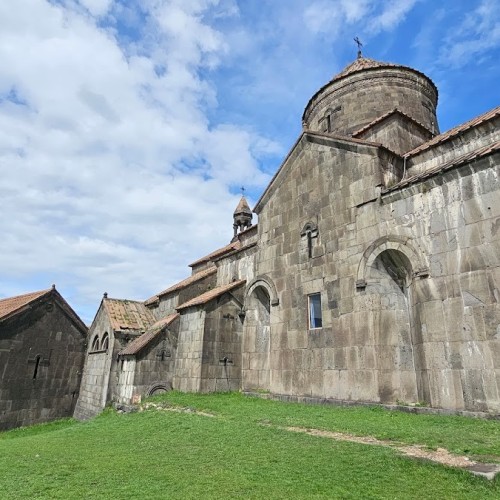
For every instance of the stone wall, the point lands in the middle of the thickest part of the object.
(96, 374)
(41, 359)
(125, 388)
(356, 100)
(169, 302)
(239, 265)
(221, 368)
(409, 283)
(188, 360)
(153, 367)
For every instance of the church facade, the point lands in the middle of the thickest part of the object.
(372, 275)
(42, 351)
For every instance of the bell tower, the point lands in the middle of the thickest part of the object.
(242, 216)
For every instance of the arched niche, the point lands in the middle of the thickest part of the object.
(260, 297)
(266, 283)
(415, 261)
(386, 275)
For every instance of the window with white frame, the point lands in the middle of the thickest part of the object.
(315, 316)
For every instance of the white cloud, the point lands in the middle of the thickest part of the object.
(393, 13)
(476, 34)
(332, 16)
(97, 7)
(113, 177)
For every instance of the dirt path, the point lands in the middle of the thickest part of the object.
(440, 455)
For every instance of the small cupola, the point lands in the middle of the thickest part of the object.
(242, 216)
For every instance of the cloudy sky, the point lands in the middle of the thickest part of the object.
(127, 127)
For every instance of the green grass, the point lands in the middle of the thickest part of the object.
(161, 454)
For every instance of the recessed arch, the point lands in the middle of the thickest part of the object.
(268, 284)
(159, 388)
(418, 263)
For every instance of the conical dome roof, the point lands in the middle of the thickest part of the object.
(243, 207)
(367, 89)
(361, 64)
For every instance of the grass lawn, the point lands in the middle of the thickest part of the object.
(167, 454)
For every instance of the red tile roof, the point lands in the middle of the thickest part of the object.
(234, 245)
(182, 284)
(128, 314)
(489, 115)
(12, 305)
(443, 167)
(210, 295)
(151, 333)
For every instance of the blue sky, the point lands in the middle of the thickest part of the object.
(127, 128)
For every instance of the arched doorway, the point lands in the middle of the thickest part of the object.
(389, 275)
(257, 338)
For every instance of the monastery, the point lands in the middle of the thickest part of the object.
(372, 275)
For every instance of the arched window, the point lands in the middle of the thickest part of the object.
(95, 343)
(105, 342)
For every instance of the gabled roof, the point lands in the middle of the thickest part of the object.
(443, 167)
(12, 305)
(306, 134)
(234, 252)
(478, 120)
(182, 284)
(15, 305)
(387, 115)
(210, 295)
(151, 333)
(234, 245)
(127, 314)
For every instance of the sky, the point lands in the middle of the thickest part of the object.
(127, 128)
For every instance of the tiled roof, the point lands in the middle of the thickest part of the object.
(243, 207)
(386, 115)
(443, 167)
(360, 64)
(182, 284)
(11, 305)
(210, 295)
(151, 333)
(128, 314)
(489, 115)
(242, 249)
(234, 245)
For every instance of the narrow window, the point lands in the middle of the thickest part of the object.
(105, 342)
(315, 317)
(95, 343)
(37, 364)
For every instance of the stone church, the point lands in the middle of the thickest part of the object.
(42, 351)
(372, 275)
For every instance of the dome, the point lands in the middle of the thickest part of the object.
(367, 89)
(360, 64)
